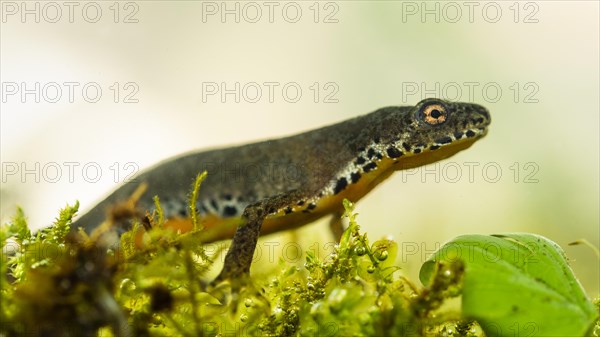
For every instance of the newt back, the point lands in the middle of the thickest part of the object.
(310, 173)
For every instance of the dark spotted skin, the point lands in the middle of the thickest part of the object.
(290, 177)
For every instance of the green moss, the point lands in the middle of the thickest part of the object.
(154, 282)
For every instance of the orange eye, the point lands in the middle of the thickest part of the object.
(434, 114)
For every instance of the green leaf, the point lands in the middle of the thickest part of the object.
(517, 284)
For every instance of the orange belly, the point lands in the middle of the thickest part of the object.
(216, 228)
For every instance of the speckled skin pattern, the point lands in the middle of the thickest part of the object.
(292, 174)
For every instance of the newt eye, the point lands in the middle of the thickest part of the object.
(434, 114)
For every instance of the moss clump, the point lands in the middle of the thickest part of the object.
(152, 282)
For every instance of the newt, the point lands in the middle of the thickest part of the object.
(284, 183)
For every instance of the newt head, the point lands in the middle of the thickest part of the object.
(434, 129)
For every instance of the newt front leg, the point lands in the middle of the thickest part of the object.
(239, 256)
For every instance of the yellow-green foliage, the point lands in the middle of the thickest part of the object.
(151, 282)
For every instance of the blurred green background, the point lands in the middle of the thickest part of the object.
(534, 65)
